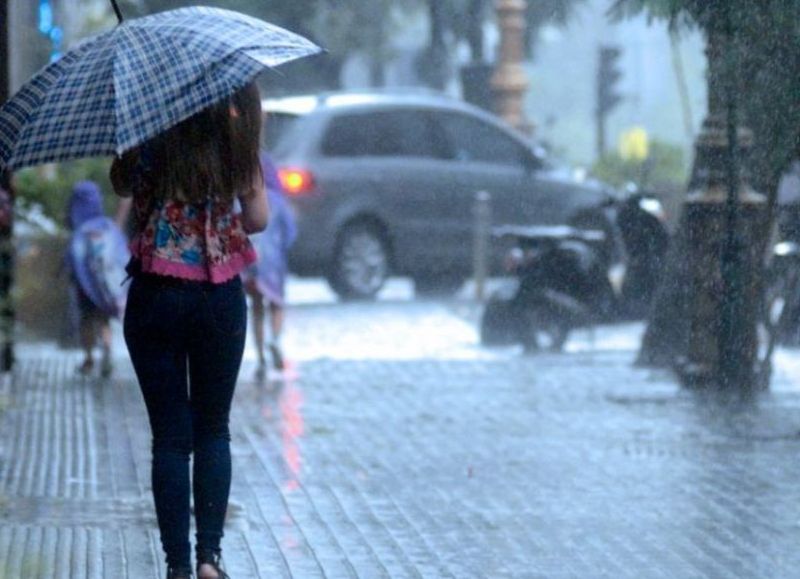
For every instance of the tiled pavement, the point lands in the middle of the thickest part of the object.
(409, 459)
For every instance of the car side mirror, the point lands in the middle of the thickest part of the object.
(532, 162)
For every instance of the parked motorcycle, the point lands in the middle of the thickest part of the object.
(565, 277)
(643, 235)
(783, 294)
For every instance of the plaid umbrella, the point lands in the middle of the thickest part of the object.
(118, 89)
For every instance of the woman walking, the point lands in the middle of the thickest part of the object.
(185, 322)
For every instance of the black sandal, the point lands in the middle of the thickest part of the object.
(214, 559)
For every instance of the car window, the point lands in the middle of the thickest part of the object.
(276, 125)
(471, 139)
(381, 134)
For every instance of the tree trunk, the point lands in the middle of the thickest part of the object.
(475, 30)
(705, 316)
(666, 339)
(437, 51)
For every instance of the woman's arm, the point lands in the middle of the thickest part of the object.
(123, 212)
(255, 208)
(122, 171)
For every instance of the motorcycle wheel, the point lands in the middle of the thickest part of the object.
(783, 307)
(544, 332)
(499, 323)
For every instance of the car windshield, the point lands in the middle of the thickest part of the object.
(276, 126)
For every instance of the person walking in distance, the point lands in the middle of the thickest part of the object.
(86, 203)
(266, 280)
(186, 317)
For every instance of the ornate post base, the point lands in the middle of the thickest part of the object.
(707, 224)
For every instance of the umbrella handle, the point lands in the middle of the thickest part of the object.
(117, 11)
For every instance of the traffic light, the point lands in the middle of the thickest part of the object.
(608, 96)
(608, 74)
(634, 145)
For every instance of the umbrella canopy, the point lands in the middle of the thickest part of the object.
(118, 89)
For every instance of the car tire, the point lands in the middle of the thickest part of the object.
(434, 285)
(361, 262)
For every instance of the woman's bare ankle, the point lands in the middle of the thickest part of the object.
(207, 571)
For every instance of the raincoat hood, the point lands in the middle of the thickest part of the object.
(85, 203)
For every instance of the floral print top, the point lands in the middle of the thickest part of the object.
(194, 241)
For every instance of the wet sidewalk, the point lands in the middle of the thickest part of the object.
(398, 463)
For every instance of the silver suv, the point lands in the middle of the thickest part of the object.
(385, 183)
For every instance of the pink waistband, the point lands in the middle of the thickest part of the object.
(215, 273)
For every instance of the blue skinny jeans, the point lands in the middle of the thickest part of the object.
(186, 341)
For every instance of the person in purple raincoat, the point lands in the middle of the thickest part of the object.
(266, 279)
(84, 204)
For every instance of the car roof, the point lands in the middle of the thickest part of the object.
(305, 104)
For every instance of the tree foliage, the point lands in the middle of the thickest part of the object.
(755, 51)
(678, 12)
(465, 17)
(664, 169)
(347, 26)
(542, 13)
(341, 26)
(765, 47)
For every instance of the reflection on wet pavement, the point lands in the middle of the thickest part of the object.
(396, 446)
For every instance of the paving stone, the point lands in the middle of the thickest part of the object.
(452, 463)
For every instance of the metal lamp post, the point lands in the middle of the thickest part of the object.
(510, 81)
(724, 218)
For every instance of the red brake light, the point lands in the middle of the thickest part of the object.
(296, 181)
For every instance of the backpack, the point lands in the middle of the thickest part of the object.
(98, 254)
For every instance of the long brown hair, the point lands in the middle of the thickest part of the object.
(213, 154)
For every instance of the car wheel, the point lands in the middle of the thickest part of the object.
(360, 262)
(437, 285)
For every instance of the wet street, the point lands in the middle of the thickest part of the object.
(396, 446)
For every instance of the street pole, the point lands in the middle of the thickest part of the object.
(482, 230)
(510, 81)
(438, 50)
(601, 133)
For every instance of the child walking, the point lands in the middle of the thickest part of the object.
(85, 204)
(266, 279)
(186, 316)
